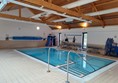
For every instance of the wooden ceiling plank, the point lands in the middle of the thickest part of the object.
(34, 11)
(106, 3)
(53, 17)
(50, 1)
(62, 10)
(78, 9)
(95, 8)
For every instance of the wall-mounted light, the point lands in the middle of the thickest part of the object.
(38, 28)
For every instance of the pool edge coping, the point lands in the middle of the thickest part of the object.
(84, 79)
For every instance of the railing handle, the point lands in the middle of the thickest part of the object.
(48, 60)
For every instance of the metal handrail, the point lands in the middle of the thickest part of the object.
(48, 60)
(82, 59)
(85, 60)
(68, 56)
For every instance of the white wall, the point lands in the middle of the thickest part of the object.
(20, 28)
(96, 35)
(68, 32)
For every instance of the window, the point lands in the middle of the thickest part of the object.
(84, 40)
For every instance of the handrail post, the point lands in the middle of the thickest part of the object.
(68, 56)
(48, 60)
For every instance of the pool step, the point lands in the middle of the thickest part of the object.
(80, 68)
(76, 71)
(73, 72)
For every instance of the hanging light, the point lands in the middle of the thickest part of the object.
(85, 24)
(59, 27)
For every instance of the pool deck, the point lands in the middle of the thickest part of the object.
(17, 68)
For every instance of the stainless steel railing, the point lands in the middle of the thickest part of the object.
(68, 60)
(68, 56)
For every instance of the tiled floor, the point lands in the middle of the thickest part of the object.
(110, 76)
(16, 68)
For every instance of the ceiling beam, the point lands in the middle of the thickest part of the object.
(78, 9)
(113, 10)
(108, 2)
(69, 6)
(95, 8)
(78, 3)
(41, 15)
(13, 17)
(97, 13)
(52, 17)
(62, 19)
(60, 9)
(37, 14)
(34, 11)
(19, 18)
(8, 7)
(50, 1)
(3, 4)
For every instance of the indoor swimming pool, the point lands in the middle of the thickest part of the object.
(79, 64)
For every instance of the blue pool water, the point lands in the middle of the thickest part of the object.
(77, 67)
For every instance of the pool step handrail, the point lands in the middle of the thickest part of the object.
(85, 60)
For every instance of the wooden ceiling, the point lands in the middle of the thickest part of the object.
(98, 20)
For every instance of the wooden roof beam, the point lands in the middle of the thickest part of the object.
(50, 1)
(52, 18)
(78, 3)
(60, 9)
(3, 4)
(13, 17)
(95, 8)
(108, 11)
(108, 2)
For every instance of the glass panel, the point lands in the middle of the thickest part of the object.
(84, 40)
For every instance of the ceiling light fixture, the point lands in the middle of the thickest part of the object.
(59, 27)
(85, 24)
